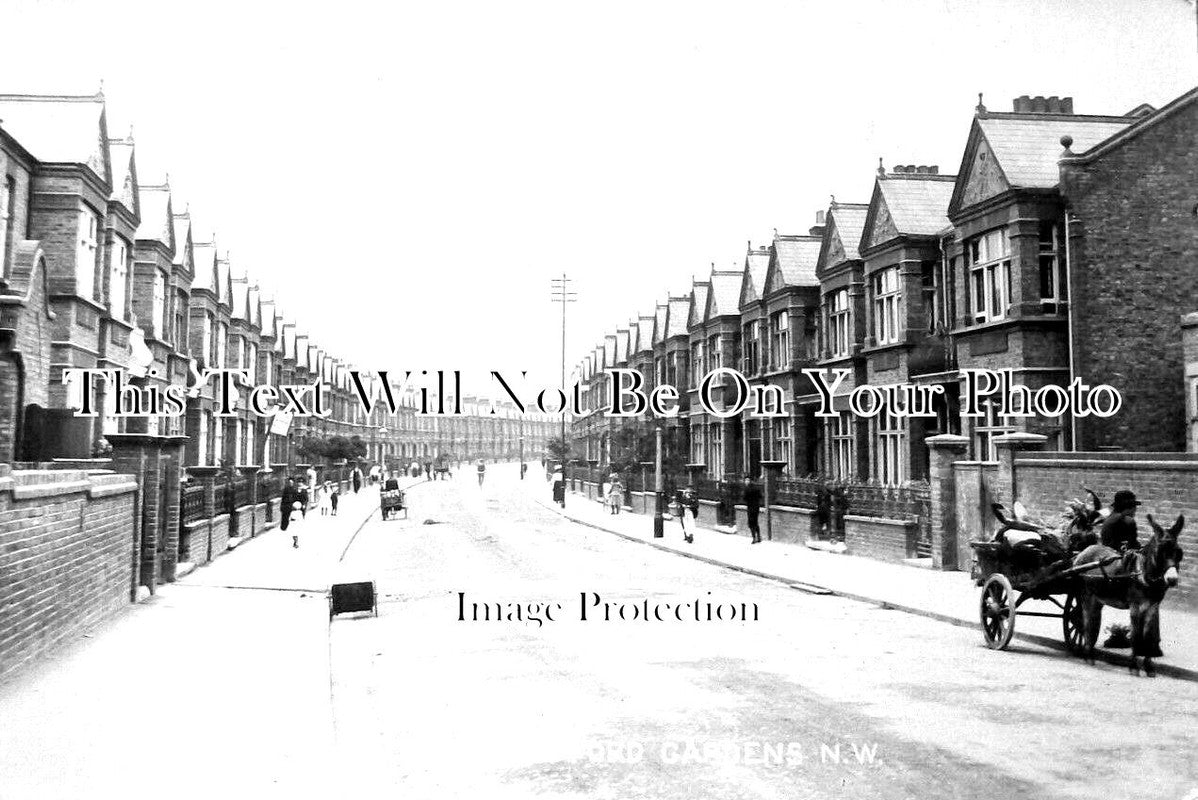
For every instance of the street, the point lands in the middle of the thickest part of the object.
(820, 697)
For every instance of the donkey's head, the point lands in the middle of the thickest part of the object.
(1162, 554)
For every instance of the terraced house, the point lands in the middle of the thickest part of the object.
(1063, 248)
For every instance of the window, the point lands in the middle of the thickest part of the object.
(884, 286)
(672, 369)
(698, 445)
(780, 340)
(1052, 279)
(839, 322)
(207, 343)
(841, 455)
(888, 449)
(85, 259)
(660, 371)
(698, 363)
(715, 352)
(783, 448)
(111, 423)
(931, 293)
(715, 449)
(158, 312)
(222, 335)
(987, 429)
(752, 343)
(180, 336)
(118, 278)
(990, 276)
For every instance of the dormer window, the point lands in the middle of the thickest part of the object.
(989, 258)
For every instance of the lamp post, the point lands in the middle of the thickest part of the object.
(522, 456)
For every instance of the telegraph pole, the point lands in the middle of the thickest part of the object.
(563, 295)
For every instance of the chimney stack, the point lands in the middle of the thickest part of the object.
(1042, 105)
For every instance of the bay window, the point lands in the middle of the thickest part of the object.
(1052, 279)
(888, 449)
(780, 340)
(838, 323)
(884, 287)
(158, 312)
(86, 255)
(989, 276)
(118, 277)
(840, 446)
(752, 345)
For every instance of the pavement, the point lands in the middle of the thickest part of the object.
(218, 685)
(950, 597)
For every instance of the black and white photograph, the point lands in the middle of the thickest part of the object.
(577, 401)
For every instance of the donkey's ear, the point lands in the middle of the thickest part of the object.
(1159, 531)
(1094, 499)
(1177, 526)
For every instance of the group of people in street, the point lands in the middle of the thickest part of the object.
(299, 495)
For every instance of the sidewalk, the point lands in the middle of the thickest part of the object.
(948, 597)
(219, 685)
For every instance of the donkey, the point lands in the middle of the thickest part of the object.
(1138, 583)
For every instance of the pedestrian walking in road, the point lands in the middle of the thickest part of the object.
(559, 487)
(482, 471)
(615, 497)
(356, 478)
(375, 474)
(335, 498)
(324, 499)
(303, 496)
(428, 470)
(752, 496)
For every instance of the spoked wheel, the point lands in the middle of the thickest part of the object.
(1073, 621)
(998, 612)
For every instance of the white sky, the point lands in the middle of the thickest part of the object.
(406, 177)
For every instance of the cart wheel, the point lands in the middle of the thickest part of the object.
(998, 612)
(1073, 621)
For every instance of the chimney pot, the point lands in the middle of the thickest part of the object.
(1039, 104)
(1022, 104)
(819, 217)
(1066, 105)
(1054, 105)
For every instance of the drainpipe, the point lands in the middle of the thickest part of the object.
(1069, 310)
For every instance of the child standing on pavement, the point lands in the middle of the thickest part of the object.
(335, 497)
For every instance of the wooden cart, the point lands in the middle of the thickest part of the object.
(391, 502)
(1011, 575)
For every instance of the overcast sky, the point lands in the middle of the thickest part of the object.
(405, 178)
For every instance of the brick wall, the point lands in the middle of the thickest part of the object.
(66, 554)
(1167, 485)
(1134, 255)
(886, 539)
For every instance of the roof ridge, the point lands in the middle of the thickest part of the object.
(1058, 117)
(906, 176)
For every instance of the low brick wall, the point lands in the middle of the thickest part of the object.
(196, 550)
(66, 557)
(219, 536)
(885, 539)
(791, 524)
(243, 525)
(258, 515)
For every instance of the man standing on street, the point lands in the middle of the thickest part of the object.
(753, 508)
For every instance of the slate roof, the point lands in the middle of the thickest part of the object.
(918, 204)
(679, 310)
(644, 334)
(1027, 149)
(725, 293)
(850, 224)
(59, 129)
(268, 320)
(156, 223)
(609, 350)
(622, 341)
(660, 316)
(699, 292)
(204, 254)
(1145, 117)
(757, 264)
(797, 258)
(182, 223)
(124, 174)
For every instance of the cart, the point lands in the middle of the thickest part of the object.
(1010, 575)
(391, 502)
(346, 598)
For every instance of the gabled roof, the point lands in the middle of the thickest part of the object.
(752, 286)
(124, 174)
(843, 225)
(290, 341)
(268, 321)
(660, 318)
(793, 260)
(907, 204)
(156, 225)
(60, 129)
(1020, 151)
(724, 297)
(698, 305)
(204, 254)
(1146, 118)
(609, 350)
(678, 309)
(224, 281)
(644, 334)
(184, 256)
(239, 292)
(623, 338)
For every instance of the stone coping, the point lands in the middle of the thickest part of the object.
(32, 484)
